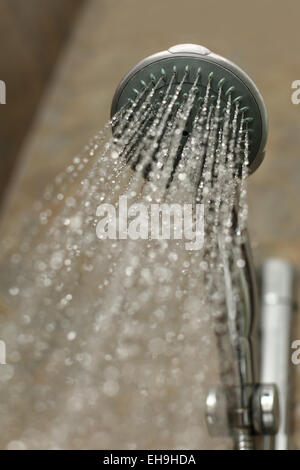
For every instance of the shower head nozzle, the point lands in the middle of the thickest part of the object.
(189, 60)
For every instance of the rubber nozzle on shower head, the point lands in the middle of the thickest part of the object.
(197, 59)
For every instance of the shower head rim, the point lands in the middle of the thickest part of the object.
(193, 50)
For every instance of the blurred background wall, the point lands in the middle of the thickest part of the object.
(108, 37)
(32, 34)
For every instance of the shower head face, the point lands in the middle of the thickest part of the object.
(213, 67)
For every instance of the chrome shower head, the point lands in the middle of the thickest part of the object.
(192, 58)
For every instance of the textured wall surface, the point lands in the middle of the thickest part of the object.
(261, 36)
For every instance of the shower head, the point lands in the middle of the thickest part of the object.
(190, 60)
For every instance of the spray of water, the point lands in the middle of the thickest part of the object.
(112, 343)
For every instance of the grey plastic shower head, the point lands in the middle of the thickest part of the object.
(192, 57)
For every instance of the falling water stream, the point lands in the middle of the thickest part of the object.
(113, 342)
